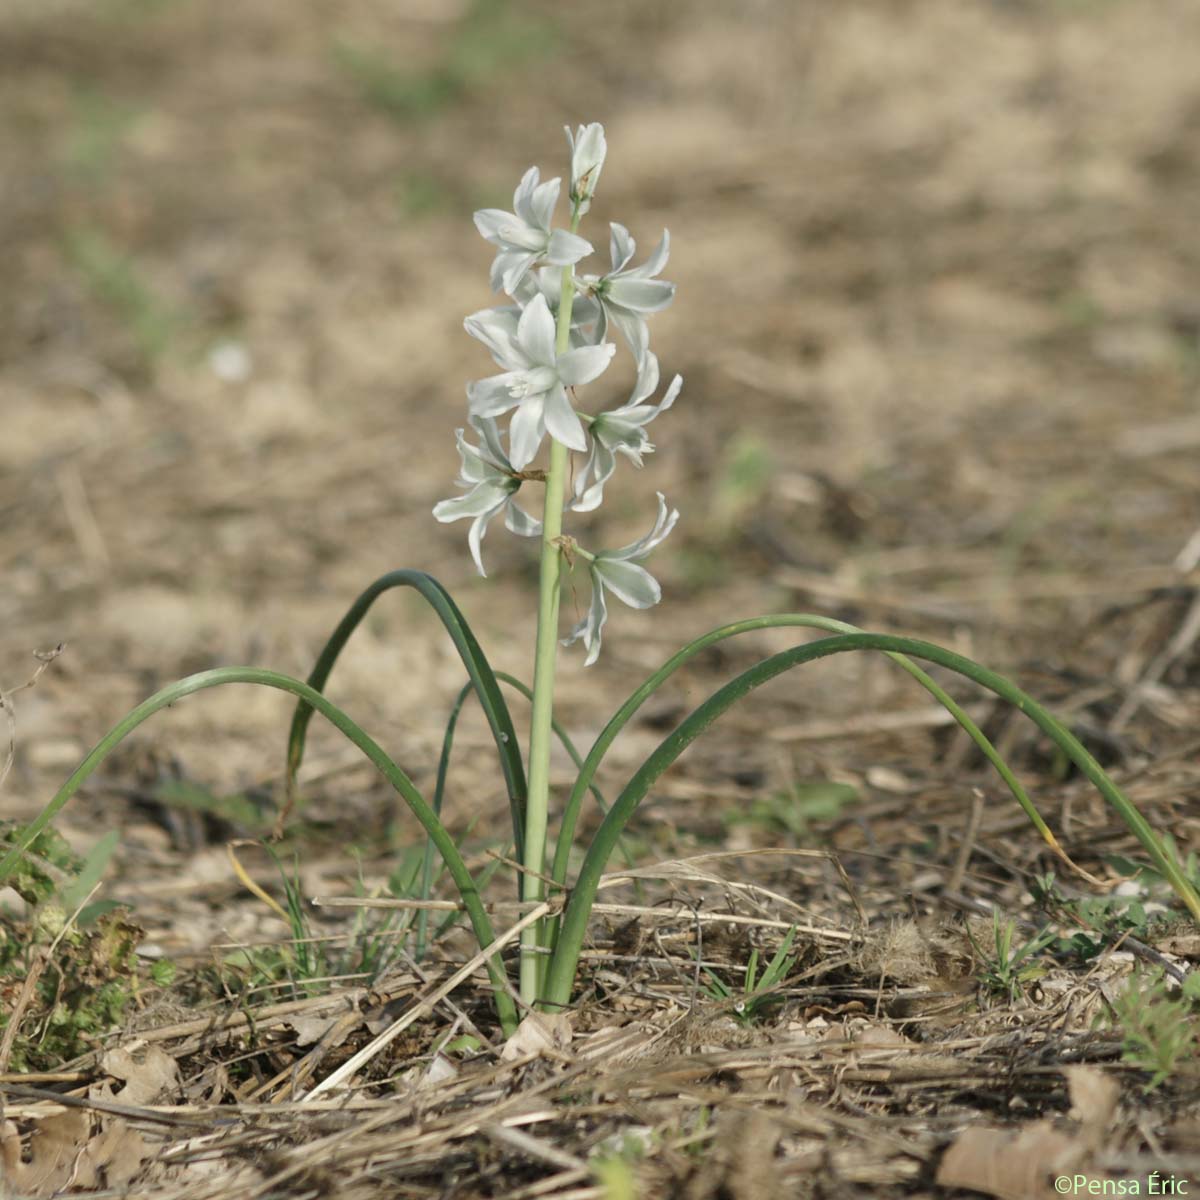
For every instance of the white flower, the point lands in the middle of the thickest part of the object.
(524, 236)
(536, 380)
(626, 296)
(621, 431)
(617, 570)
(588, 149)
(493, 484)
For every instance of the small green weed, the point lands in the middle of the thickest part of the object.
(238, 810)
(79, 956)
(796, 810)
(757, 994)
(744, 477)
(1010, 968)
(1189, 864)
(1105, 919)
(1158, 1029)
(96, 132)
(614, 1160)
(307, 963)
(115, 279)
(493, 37)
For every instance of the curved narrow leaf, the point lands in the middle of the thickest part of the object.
(574, 922)
(479, 671)
(774, 621)
(480, 923)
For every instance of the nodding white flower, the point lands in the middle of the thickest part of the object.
(536, 380)
(621, 431)
(627, 295)
(618, 572)
(524, 236)
(492, 484)
(588, 149)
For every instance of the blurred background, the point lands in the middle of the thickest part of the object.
(937, 317)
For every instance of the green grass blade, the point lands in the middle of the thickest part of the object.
(574, 923)
(479, 671)
(778, 620)
(480, 923)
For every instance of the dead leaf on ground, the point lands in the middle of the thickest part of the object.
(311, 1030)
(1010, 1165)
(538, 1033)
(63, 1155)
(148, 1075)
(742, 1164)
(1094, 1097)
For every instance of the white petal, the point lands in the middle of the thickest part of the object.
(496, 328)
(621, 246)
(475, 468)
(523, 196)
(516, 235)
(493, 396)
(510, 267)
(628, 582)
(565, 248)
(657, 260)
(542, 204)
(634, 329)
(616, 432)
(549, 282)
(642, 414)
(526, 431)
(663, 525)
(585, 311)
(579, 486)
(584, 363)
(591, 626)
(600, 465)
(647, 379)
(671, 394)
(562, 421)
(535, 332)
(490, 221)
(475, 537)
(482, 499)
(520, 522)
(640, 295)
(490, 449)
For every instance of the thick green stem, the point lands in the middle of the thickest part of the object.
(549, 595)
(536, 810)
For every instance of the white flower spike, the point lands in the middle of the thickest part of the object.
(628, 294)
(524, 236)
(492, 485)
(621, 431)
(535, 380)
(618, 572)
(588, 149)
